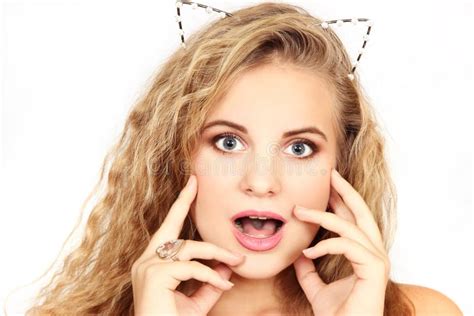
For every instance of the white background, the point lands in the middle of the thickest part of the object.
(72, 69)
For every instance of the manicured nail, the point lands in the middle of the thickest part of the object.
(238, 255)
(307, 251)
(229, 283)
(301, 208)
(190, 180)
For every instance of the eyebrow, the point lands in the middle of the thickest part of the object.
(309, 129)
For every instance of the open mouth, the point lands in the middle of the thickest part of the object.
(259, 227)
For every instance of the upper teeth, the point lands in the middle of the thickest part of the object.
(257, 217)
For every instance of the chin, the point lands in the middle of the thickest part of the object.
(260, 266)
(255, 273)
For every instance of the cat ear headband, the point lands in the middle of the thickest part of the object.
(325, 25)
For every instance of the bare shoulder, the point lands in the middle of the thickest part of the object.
(429, 301)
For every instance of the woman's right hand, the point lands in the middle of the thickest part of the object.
(154, 280)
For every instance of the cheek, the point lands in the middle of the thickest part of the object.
(310, 189)
(209, 208)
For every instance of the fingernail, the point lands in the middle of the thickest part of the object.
(229, 283)
(190, 180)
(301, 208)
(238, 255)
(307, 251)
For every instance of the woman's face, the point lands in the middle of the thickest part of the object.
(259, 166)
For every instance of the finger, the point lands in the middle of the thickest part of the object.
(171, 274)
(363, 261)
(340, 209)
(354, 201)
(336, 224)
(193, 249)
(307, 276)
(173, 223)
(207, 295)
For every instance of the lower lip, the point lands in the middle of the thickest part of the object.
(258, 244)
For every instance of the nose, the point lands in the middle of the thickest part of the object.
(261, 178)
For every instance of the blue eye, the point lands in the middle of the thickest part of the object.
(226, 142)
(229, 142)
(301, 146)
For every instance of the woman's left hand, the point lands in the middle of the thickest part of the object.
(360, 241)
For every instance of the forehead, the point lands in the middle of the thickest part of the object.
(277, 97)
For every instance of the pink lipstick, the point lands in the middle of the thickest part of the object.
(258, 231)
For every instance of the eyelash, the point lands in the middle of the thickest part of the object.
(311, 145)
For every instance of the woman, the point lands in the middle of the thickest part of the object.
(263, 87)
